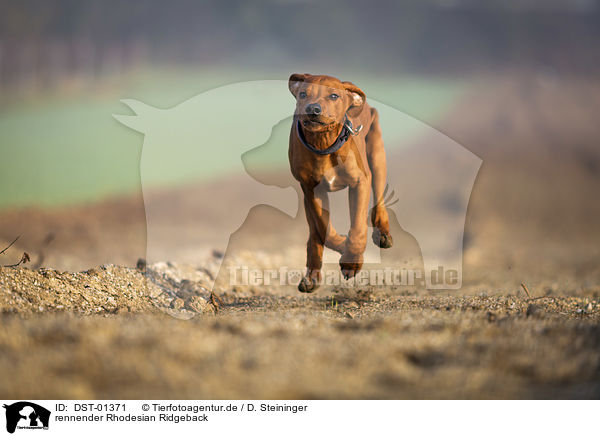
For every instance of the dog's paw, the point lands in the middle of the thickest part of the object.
(307, 285)
(350, 264)
(382, 239)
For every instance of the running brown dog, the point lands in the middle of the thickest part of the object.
(336, 142)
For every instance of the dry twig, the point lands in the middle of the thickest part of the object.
(525, 289)
(24, 259)
(10, 245)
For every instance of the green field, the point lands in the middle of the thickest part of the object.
(67, 148)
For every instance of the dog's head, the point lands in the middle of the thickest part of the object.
(323, 101)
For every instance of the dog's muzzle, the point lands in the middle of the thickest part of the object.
(347, 131)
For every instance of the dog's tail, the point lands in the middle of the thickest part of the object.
(387, 199)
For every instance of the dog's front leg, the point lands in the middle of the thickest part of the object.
(358, 198)
(317, 216)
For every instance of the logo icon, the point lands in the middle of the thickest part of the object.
(26, 415)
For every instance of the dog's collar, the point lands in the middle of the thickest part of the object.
(347, 130)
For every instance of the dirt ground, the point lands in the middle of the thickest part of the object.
(156, 331)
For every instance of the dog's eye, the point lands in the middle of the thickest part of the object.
(302, 94)
(334, 96)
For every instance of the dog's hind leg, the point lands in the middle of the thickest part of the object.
(333, 240)
(377, 163)
(322, 213)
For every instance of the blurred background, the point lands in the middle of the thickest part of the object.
(515, 82)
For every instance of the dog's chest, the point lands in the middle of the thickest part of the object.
(330, 181)
(335, 178)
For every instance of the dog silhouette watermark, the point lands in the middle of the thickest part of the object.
(429, 180)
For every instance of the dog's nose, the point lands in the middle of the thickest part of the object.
(313, 109)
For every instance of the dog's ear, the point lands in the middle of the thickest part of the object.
(357, 98)
(294, 82)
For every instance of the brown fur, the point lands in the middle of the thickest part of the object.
(359, 165)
